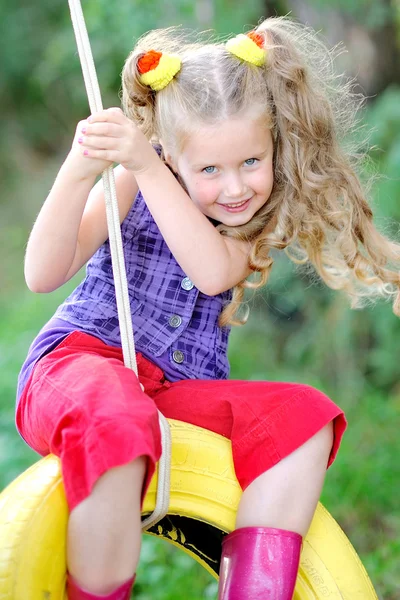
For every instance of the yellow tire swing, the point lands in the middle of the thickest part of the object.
(204, 497)
(191, 506)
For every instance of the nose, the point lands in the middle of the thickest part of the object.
(235, 187)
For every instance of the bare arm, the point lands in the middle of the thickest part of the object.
(72, 225)
(213, 262)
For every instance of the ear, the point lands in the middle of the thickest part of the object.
(169, 158)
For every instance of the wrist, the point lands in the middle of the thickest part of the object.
(154, 171)
(75, 169)
(149, 162)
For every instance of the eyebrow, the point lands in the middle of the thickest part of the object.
(212, 164)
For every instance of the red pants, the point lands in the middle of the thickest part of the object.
(82, 404)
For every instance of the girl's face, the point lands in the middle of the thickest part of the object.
(227, 169)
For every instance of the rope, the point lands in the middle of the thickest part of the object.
(118, 262)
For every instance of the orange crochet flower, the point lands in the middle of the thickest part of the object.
(149, 61)
(157, 70)
(257, 38)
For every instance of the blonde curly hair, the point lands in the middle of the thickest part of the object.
(317, 211)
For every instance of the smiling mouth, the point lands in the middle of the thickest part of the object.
(237, 205)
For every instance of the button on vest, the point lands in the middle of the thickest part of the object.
(178, 356)
(187, 284)
(175, 321)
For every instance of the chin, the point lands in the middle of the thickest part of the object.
(235, 222)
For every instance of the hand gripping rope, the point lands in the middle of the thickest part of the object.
(118, 262)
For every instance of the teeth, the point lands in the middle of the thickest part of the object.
(236, 205)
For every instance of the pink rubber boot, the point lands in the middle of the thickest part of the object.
(259, 563)
(74, 592)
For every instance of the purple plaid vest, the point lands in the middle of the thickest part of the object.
(175, 325)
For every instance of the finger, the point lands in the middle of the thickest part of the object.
(100, 129)
(97, 117)
(115, 109)
(108, 115)
(97, 142)
(81, 125)
(107, 155)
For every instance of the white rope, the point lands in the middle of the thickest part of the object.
(118, 261)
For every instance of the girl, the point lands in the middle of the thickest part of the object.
(245, 158)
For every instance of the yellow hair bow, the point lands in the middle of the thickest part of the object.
(157, 69)
(248, 47)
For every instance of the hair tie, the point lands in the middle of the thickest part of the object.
(157, 69)
(248, 47)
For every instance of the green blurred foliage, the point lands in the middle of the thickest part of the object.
(41, 82)
(366, 12)
(298, 330)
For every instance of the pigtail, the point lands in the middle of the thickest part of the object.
(323, 217)
(317, 211)
(138, 100)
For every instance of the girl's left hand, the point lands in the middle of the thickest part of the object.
(109, 135)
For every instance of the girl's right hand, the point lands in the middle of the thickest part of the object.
(84, 167)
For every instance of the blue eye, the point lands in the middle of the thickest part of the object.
(206, 170)
(251, 161)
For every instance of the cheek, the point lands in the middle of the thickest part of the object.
(204, 192)
(265, 181)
